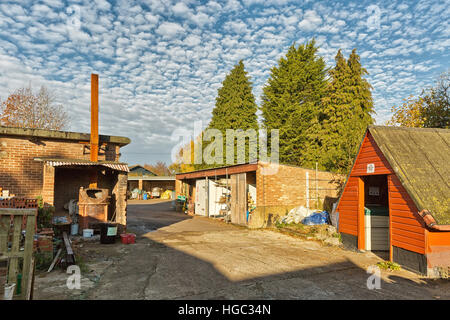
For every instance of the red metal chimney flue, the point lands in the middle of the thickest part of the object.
(94, 129)
(94, 118)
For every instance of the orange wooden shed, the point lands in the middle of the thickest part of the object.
(397, 198)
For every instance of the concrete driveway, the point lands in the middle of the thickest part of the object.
(182, 257)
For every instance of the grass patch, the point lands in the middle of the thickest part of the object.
(388, 265)
(81, 263)
(337, 235)
(298, 227)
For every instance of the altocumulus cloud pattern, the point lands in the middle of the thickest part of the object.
(161, 62)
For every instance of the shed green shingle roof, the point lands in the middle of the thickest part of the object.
(421, 159)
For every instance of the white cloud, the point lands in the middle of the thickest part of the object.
(169, 29)
(158, 60)
(192, 40)
(311, 20)
(236, 27)
(180, 9)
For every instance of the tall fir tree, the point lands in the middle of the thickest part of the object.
(291, 99)
(235, 109)
(346, 112)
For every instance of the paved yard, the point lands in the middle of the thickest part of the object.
(181, 257)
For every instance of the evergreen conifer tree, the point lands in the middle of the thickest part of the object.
(291, 99)
(235, 109)
(346, 112)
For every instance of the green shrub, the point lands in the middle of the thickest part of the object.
(45, 214)
(43, 260)
(388, 265)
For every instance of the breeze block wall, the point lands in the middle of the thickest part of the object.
(284, 189)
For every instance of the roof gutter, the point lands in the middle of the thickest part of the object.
(431, 223)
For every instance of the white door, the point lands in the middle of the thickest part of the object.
(200, 197)
(216, 192)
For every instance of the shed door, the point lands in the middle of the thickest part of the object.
(216, 192)
(239, 199)
(200, 197)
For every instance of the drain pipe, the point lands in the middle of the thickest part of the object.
(431, 223)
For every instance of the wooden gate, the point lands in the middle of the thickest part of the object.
(239, 198)
(17, 249)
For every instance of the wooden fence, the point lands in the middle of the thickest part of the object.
(17, 248)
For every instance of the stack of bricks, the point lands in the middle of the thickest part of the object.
(44, 241)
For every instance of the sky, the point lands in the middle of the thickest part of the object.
(161, 62)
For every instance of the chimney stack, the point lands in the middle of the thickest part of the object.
(94, 118)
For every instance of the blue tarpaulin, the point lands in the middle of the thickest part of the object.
(316, 218)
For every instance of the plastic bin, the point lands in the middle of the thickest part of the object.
(87, 233)
(74, 229)
(131, 238)
(128, 238)
(108, 233)
(124, 238)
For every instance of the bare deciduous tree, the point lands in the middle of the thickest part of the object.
(25, 109)
(159, 168)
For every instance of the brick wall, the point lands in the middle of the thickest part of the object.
(288, 186)
(120, 193)
(24, 177)
(68, 182)
(286, 189)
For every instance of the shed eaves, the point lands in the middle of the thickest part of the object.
(420, 159)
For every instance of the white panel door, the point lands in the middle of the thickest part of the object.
(215, 194)
(200, 197)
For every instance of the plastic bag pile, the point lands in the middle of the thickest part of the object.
(305, 216)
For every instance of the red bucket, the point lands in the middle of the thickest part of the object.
(124, 238)
(131, 238)
(128, 238)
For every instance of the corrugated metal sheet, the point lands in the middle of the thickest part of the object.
(420, 159)
(114, 166)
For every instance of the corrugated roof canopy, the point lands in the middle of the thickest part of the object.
(420, 158)
(80, 162)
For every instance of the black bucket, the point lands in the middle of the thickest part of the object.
(108, 232)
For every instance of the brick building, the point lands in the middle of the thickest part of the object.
(265, 190)
(55, 164)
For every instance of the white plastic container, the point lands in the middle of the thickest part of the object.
(87, 233)
(9, 291)
(74, 229)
